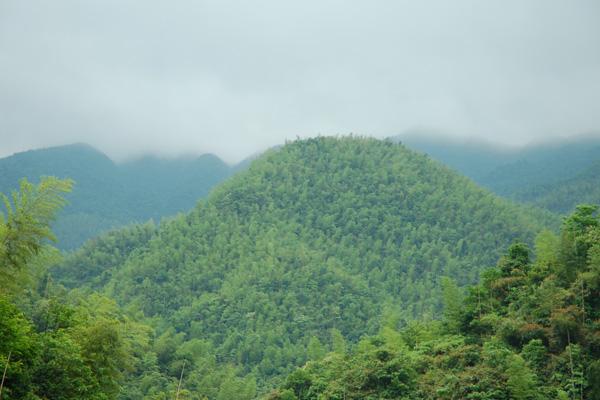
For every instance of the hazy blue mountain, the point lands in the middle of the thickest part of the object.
(108, 195)
(544, 164)
(473, 158)
(564, 195)
(524, 174)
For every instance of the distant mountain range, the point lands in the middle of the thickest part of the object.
(554, 175)
(319, 234)
(108, 195)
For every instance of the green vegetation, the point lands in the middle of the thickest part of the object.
(348, 256)
(108, 195)
(555, 175)
(56, 344)
(55, 351)
(564, 195)
(323, 235)
(528, 331)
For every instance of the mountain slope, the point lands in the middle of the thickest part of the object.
(108, 195)
(544, 164)
(472, 158)
(518, 173)
(564, 195)
(528, 331)
(321, 234)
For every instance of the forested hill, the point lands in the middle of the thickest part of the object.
(108, 195)
(564, 195)
(475, 159)
(528, 331)
(322, 235)
(528, 174)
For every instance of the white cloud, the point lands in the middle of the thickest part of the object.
(233, 77)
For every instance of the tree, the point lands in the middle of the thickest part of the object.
(26, 225)
(574, 242)
(18, 340)
(453, 311)
(103, 350)
(516, 260)
(521, 381)
(315, 350)
(61, 373)
(338, 343)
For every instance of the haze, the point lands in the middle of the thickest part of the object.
(233, 78)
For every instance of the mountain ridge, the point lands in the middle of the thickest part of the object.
(516, 173)
(320, 234)
(108, 194)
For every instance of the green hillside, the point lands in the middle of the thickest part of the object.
(108, 195)
(555, 175)
(528, 331)
(473, 158)
(320, 236)
(564, 195)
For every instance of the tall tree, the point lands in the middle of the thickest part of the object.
(25, 227)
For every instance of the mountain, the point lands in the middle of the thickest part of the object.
(544, 164)
(321, 236)
(564, 195)
(528, 331)
(517, 173)
(109, 195)
(473, 158)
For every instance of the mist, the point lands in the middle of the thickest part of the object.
(233, 78)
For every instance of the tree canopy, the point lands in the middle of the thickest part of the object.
(319, 235)
(529, 330)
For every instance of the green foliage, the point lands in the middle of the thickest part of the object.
(321, 243)
(18, 342)
(546, 250)
(555, 176)
(516, 260)
(338, 343)
(102, 255)
(61, 372)
(375, 371)
(564, 195)
(55, 345)
(539, 341)
(535, 354)
(315, 350)
(320, 234)
(26, 225)
(521, 381)
(574, 246)
(109, 195)
(453, 307)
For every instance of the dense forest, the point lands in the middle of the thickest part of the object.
(309, 200)
(320, 235)
(332, 268)
(109, 195)
(54, 345)
(562, 196)
(554, 175)
(529, 330)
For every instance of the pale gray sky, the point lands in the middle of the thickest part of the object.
(234, 77)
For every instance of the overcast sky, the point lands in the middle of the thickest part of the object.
(234, 77)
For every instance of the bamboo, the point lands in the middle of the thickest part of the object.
(4, 374)
(479, 300)
(583, 301)
(180, 379)
(571, 361)
(47, 316)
